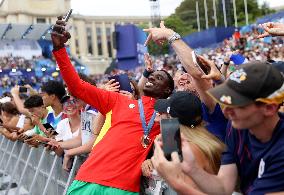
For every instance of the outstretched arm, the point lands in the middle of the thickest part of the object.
(184, 53)
(272, 29)
(100, 99)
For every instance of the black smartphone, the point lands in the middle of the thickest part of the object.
(48, 126)
(171, 137)
(197, 63)
(23, 89)
(124, 82)
(67, 16)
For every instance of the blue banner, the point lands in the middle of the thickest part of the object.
(130, 46)
(208, 37)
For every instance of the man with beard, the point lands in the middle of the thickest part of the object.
(114, 163)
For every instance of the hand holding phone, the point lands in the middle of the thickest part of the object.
(171, 137)
(199, 64)
(123, 81)
(23, 89)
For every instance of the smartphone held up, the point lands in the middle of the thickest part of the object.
(123, 81)
(197, 63)
(67, 16)
(171, 137)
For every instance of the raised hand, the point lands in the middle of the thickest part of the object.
(158, 35)
(15, 90)
(272, 29)
(59, 34)
(111, 85)
(214, 73)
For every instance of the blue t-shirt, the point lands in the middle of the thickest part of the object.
(260, 165)
(216, 122)
(52, 119)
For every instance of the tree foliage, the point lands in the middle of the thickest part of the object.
(185, 14)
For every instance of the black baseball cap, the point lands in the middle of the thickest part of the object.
(182, 105)
(279, 65)
(255, 81)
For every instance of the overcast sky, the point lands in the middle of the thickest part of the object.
(132, 7)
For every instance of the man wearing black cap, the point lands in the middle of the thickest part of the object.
(182, 105)
(255, 135)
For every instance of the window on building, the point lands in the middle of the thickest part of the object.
(109, 38)
(40, 20)
(89, 40)
(99, 39)
(75, 31)
(77, 46)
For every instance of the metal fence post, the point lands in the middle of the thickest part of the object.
(50, 175)
(25, 168)
(14, 171)
(5, 151)
(71, 174)
(8, 162)
(37, 170)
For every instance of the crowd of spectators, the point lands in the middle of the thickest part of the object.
(16, 62)
(228, 119)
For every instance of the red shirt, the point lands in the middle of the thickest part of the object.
(116, 160)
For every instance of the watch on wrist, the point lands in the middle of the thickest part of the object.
(174, 37)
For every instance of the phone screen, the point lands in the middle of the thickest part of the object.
(171, 137)
(124, 82)
(23, 89)
(197, 62)
(48, 126)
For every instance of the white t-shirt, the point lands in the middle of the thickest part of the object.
(21, 121)
(87, 124)
(64, 131)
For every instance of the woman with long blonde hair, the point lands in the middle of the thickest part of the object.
(206, 147)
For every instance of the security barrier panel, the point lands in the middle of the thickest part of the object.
(32, 171)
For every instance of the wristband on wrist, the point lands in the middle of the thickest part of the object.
(146, 73)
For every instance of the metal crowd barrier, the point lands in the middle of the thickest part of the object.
(37, 171)
(32, 171)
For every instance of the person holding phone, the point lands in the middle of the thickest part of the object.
(69, 127)
(117, 158)
(187, 109)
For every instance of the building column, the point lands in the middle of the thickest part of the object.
(94, 39)
(104, 40)
(81, 26)
(72, 40)
(113, 49)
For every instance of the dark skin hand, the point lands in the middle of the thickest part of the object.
(59, 35)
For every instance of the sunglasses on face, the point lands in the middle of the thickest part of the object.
(70, 102)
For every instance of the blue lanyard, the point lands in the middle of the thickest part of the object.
(146, 129)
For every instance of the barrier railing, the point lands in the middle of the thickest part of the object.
(37, 171)
(32, 171)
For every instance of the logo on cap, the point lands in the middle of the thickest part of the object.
(238, 76)
(168, 110)
(226, 99)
